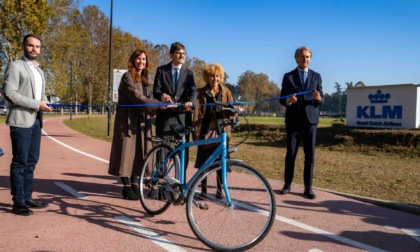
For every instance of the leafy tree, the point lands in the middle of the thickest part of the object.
(257, 88)
(18, 18)
(63, 46)
(163, 54)
(196, 66)
(359, 84)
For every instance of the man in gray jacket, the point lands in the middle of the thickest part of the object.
(24, 89)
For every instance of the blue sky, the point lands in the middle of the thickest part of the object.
(374, 41)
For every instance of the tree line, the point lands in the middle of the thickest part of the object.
(75, 53)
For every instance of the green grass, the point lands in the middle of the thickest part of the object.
(95, 126)
(323, 122)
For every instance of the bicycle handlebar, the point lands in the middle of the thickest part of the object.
(229, 107)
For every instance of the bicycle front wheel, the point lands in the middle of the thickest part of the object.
(235, 227)
(154, 190)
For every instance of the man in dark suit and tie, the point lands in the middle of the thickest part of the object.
(174, 83)
(302, 118)
(24, 89)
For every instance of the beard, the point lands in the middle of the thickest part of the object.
(30, 55)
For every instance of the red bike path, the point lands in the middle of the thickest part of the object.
(86, 211)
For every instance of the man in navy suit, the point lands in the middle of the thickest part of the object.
(174, 83)
(302, 118)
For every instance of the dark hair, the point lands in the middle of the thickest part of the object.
(144, 73)
(30, 36)
(176, 47)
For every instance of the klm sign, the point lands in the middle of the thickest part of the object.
(379, 110)
(388, 112)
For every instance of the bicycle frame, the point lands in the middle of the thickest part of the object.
(221, 150)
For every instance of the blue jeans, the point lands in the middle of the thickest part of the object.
(26, 143)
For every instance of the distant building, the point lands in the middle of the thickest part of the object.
(385, 106)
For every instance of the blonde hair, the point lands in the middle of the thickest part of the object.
(211, 69)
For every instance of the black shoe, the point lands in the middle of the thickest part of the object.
(129, 194)
(33, 204)
(21, 210)
(135, 189)
(285, 190)
(309, 193)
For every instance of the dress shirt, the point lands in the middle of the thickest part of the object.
(38, 78)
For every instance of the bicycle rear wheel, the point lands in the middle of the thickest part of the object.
(154, 191)
(237, 227)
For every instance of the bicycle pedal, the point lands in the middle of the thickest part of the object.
(203, 206)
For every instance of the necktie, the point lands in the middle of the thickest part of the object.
(176, 78)
(304, 80)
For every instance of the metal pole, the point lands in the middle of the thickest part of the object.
(110, 71)
(71, 89)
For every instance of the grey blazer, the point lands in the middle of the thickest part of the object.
(19, 90)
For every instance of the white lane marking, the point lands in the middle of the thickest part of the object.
(315, 230)
(154, 237)
(74, 149)
(329, 235)
(291, 222)
(315, 250)
(71, 190)
(390, 227)
(413, 233)
(148, 233)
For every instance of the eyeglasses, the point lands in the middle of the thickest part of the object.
(180, 54)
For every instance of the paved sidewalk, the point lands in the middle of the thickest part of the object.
(96, 218)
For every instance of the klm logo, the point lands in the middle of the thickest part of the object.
(380, 112)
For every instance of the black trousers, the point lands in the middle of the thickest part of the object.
(306, 132)
(26, 144)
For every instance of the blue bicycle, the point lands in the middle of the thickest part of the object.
(237, 207)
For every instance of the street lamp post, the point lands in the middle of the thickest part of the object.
(71, 89)
(110, 72)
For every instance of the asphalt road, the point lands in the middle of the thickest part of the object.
(87, 213)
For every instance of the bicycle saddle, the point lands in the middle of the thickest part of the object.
(180, 131)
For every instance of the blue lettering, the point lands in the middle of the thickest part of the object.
(375, 123)
(389, 112)
(361, 112)
(396, 124)
(372, 112)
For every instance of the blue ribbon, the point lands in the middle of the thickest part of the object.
(180, 104)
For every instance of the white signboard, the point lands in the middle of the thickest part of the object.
(117, 79)
(387, 106)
